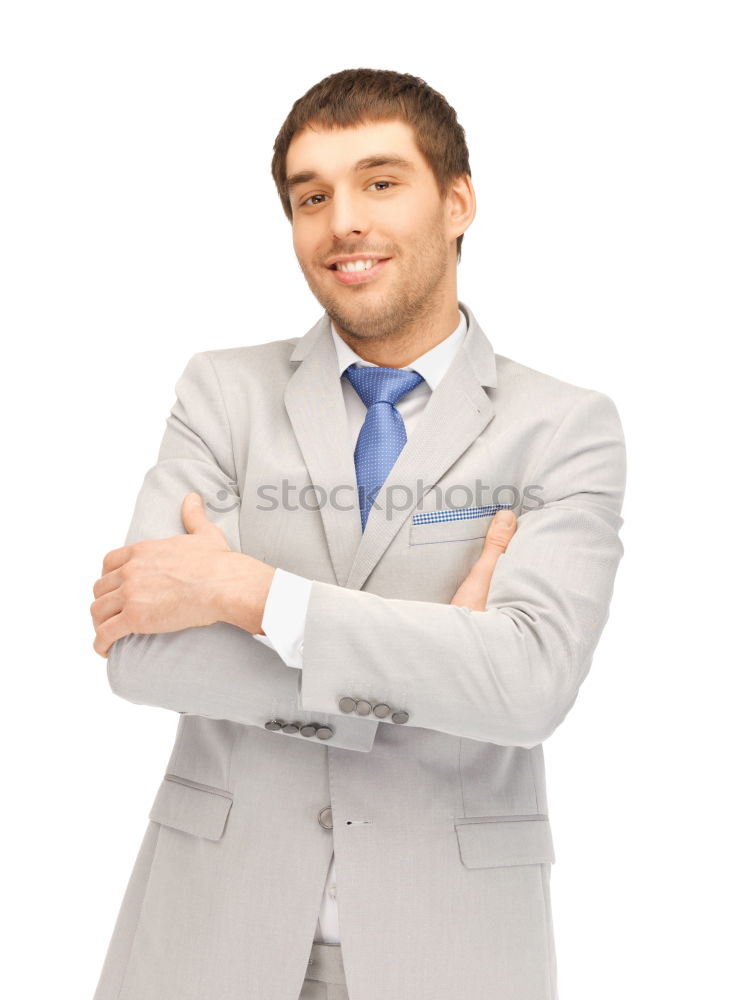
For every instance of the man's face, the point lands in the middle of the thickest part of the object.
(391, 213)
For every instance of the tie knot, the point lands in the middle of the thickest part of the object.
(381, 385)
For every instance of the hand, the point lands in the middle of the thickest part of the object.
(474, 590)
(168, 584)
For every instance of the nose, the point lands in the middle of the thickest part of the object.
(347, 217)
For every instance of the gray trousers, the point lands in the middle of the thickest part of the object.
(325, 974)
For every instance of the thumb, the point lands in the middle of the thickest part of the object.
(194, 516)
(501, 530)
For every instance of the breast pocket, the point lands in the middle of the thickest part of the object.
(452, 525)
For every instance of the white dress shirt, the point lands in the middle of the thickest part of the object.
(286, 603)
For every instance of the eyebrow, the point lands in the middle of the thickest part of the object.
(366, 163)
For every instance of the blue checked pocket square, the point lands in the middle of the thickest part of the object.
(452, 525)
(457, 513)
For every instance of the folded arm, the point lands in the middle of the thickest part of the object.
(510, 674)
(219, 671)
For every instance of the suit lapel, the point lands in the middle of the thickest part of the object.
(315, 404)
(455, 414)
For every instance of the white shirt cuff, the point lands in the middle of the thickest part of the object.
(284, 615)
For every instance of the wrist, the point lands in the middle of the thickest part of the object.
(241, 595)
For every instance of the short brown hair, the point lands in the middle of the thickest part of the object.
(354, 96)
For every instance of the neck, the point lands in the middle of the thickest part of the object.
(399, 349)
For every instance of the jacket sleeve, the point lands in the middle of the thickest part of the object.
(219, 671)
(510, 674)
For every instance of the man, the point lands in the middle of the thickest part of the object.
(366, 654)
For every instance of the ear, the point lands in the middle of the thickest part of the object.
(460, 206)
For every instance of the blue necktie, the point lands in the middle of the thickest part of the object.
(383, 434)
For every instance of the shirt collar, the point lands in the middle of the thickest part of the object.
(432, 365)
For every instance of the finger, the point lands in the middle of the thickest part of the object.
(501, 530)
(475, 588)
(106, 607)
(112, 630)
(195, 518)
(197, 521)
(193, 515)
(107, 583)
(116, 558)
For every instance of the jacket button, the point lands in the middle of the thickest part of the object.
(325, 818)
(382, 710)
(399, 718)
(274, 725)
(308, 730)
(347, 704)
(363, 707)
(290, 727)
(324, 732)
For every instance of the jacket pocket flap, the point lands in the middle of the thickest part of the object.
(191, 807)
(494, 842)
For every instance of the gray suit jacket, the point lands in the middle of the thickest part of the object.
(436, 803)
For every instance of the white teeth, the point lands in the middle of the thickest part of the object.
(356, 265)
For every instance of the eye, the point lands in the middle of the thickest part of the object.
(311, 199)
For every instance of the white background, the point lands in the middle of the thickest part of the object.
(139, 224)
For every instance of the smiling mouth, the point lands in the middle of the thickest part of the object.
(358, 272)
